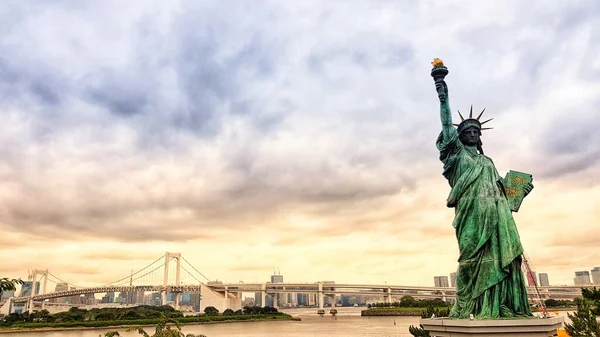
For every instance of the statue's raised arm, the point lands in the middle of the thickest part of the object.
(438, 73)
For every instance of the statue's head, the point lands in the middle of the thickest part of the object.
(469, 130)
(470, 134)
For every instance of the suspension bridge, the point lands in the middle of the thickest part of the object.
(173, 274)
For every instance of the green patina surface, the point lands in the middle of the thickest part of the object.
(490, 283)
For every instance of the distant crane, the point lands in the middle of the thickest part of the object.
(529, 271)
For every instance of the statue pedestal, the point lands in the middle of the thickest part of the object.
(534, 327)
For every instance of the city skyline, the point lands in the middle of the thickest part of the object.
(293, 135)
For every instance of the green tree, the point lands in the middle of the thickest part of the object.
(41, 316)
(584, 322)
(593, 295)
(418, 332)
(248, 310)
(431, 310)
(268, 310)
(211, 311)
(407, 301)
(7, 284)
(228, 312)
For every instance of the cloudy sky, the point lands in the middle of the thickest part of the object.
(301, 135)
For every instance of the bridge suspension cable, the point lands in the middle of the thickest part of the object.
(62, 281)
(130, 277)
(148, 273)
(191, 265)
(190, 274)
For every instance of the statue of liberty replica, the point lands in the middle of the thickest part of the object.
(489, 284)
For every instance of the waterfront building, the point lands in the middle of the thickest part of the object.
(139, 299)
(60, 287)
(440, 281)
(269, 301)
(156, 299)
(350, 300)
(195, 301)
(248, 302)
(453, 280)
(281, 298)
(303, 300)
(89, 299)
(582, 278)
(292, 300)
(75, 299)
(258, 299)
(5, 295)
(186, 298)
(171, 297)
(26, 288)
(122, 298)
(596, 275)
(544, 282)
(108, 297)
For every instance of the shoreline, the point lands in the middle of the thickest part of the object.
(125, 326)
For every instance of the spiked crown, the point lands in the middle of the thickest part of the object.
(465, 123)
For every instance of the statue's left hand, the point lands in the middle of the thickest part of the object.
(528, 188)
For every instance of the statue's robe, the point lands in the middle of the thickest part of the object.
(489, 282)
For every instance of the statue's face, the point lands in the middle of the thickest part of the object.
(470, 136)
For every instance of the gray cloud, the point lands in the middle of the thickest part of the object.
(569, 143)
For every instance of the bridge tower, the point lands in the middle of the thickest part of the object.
(168, 257)
(33, 278)
(388, 295)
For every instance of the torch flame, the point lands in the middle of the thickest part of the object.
(437, 63)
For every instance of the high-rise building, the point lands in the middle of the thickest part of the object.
(544, 279)
(440, 281)
(156, 299)
(281, 298)
(186, 298)
(75, 299)
(292, 299)
(89, 299)
(303, 300)
(109, 297)
(26, 288)
(248, 302)
(269, 300)
(139, 297)
(60, 287)
(132, 297)
(453, 280)
(582, 278)
(5, 295)
(195, 301)
(258, 299)
(596, 275)
(276, 278)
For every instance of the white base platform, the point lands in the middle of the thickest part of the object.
(533, 327)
